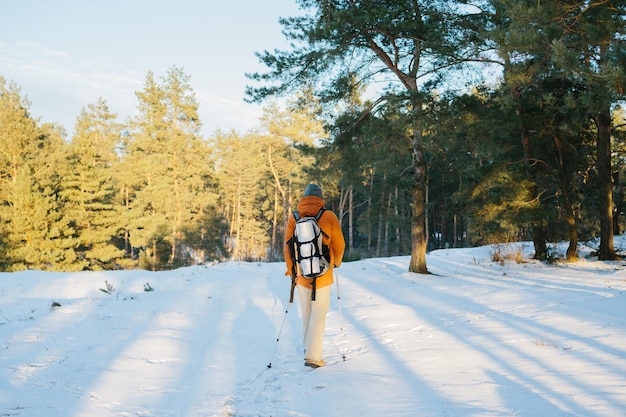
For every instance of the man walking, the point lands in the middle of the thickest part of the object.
(314, 308)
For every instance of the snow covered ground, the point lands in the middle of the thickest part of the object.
(476, 338)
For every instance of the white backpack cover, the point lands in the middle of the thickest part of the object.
(311, 254)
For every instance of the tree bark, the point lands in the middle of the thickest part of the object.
(605, 184)
(538, 230)
(350, 221)
(381, 215)
(572, 249)
(418, 221)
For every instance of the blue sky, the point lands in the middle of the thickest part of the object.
(66, 54)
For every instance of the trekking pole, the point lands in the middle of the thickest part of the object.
(343, 355)
(280, 331)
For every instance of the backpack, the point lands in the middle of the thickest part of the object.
(307, 248)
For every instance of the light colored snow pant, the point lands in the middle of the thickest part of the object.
(314, 319)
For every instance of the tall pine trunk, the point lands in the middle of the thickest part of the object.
(538, 230)
(572, 249)
(381, 216)
(351, 221)
(418, 221)
(605, 183)
(273, 243)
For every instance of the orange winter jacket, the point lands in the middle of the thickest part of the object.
(329, 223)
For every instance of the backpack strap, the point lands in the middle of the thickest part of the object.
(319, 213)
(317, 218)
(297, 216)
(294, 268)
(293, 287)
(314, 283)
(313, 288)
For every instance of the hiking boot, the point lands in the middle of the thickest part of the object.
(314, 363)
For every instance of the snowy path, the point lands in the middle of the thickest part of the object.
(473, 339)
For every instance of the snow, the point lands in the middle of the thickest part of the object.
(475, 338)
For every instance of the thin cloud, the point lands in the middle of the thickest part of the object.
(46, 75)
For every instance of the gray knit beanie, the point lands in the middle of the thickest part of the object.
(313, 189)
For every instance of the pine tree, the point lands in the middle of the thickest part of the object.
(38, 236)
(291, 135)
(591, 49)
(406, 43)
(171, 186)
(90, 190)
(578, 43)
(240, 167)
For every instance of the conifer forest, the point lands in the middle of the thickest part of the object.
(428, 124)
